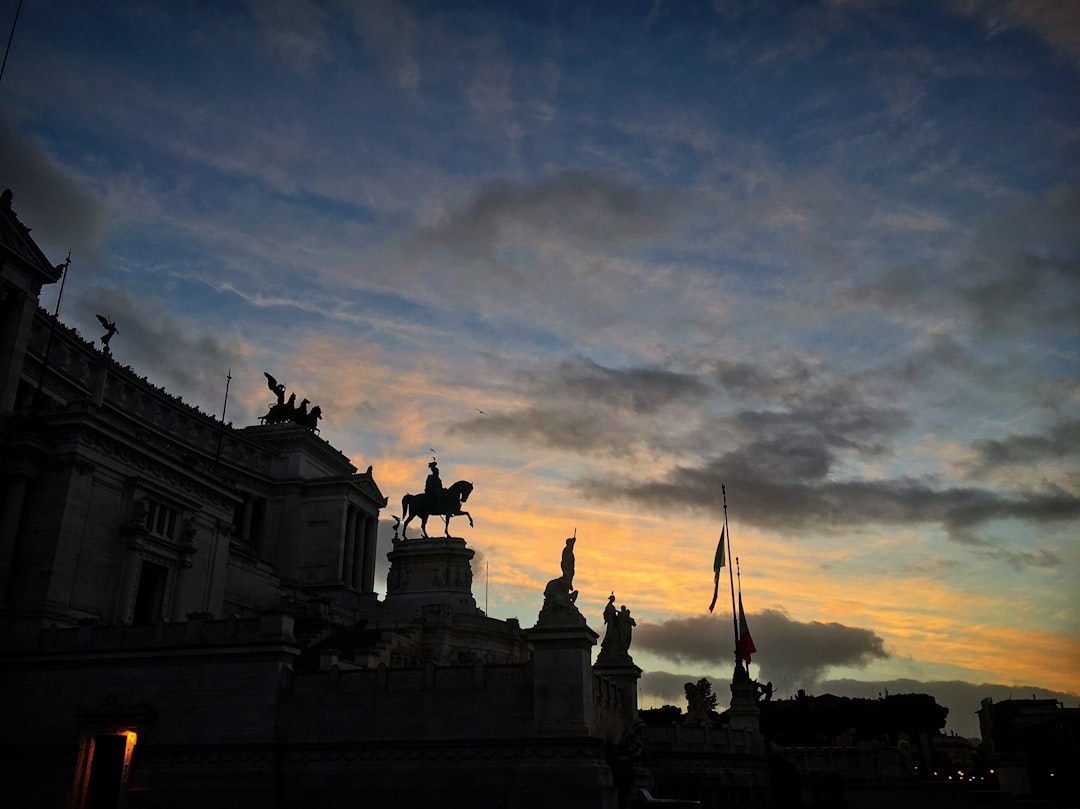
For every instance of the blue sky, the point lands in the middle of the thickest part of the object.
(825, 254)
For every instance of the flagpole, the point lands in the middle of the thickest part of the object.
(36, 401)
(731, 576)
(221, 430)
(738, 644)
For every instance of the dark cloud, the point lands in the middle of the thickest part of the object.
(788, 451)
(62, 213)
(641, 389)
(582, 207)
(556, 428)
(1060, 441)
(800, 651)
(668, 688)
(588, 407)
(1018, 273)
(793, 493)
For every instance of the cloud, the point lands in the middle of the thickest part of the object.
(576, 206)
(800, 651)
(294, 32)
(667, 687)
(389, 30)
(582, 406)
(772, 495)
(48, 196)
(1060, 441)
(641, 389)
(1017, 273)
(1057, 23)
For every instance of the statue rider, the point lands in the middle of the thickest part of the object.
(433, 487)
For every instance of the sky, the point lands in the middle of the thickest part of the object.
(604, 259)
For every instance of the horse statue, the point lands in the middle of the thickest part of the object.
(447, 503)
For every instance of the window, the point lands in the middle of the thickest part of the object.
(161, 520)
(150, 597)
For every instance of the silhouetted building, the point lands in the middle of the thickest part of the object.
(188, 617)
(1033, 746)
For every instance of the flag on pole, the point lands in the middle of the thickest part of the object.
(746, 643)
(718, 562)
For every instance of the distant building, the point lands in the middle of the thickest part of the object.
(1033, 746)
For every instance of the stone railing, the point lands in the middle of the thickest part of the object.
(264, 629)
(477, 676)
(679, 737)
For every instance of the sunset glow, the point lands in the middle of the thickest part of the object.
(602, 258)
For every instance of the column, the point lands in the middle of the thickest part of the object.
(18, 315)
(127, 585)
(371, 525)
(357, 578)
(350, 546)
(245, 521)
(9, 528)
(184, 560)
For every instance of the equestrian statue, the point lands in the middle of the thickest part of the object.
(435, 500)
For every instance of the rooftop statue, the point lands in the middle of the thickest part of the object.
(282, 410)
(435, 500)
(110, 330)
(619, 625)
(560, 597)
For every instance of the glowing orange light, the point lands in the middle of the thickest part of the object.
(132, 737)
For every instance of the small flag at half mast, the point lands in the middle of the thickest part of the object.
(718, 562)
(746, 643)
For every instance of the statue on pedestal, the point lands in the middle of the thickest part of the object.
(436, 500)
(615, 648)
(560, 597)
(282, 410)
(110, 330)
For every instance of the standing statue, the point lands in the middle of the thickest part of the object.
(615, 648)
(436, 500)
(611, 620)
(110, 330)
(276, 387)
(625, 625)
(568, 562)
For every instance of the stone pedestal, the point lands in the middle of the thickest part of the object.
(424, 572)
(743, 713)
(562, 680)
(625, 674)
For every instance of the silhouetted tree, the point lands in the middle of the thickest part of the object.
(710, 699)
